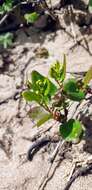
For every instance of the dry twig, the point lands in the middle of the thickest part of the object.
(51, 171)
(80, 172)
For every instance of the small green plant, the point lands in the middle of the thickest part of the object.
(27, 13)
(6, 39)
(31, 17)
(54, 98)
(15, 14)
(6, 6)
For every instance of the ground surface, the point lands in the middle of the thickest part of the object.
(16, 172)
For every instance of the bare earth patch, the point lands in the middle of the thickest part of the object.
(16, 171)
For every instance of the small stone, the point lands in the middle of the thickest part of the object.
(41, 52)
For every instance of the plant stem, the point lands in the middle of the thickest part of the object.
(60, 85)
(48, 109)
(45, 7)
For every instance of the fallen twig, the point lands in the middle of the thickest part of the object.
(71, 15)
(79, 40)
(80, 172)
(50, 174)
(52, 156)
(72, 171)
(82, 73)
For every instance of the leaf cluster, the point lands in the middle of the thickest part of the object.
(6, 6)
(31, 17)
(54, 98)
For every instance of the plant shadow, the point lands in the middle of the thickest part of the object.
(86, 119)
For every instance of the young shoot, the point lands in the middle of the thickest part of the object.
(54, 100)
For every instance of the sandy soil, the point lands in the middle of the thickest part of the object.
(16, 172)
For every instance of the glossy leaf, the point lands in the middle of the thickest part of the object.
(71, 130)
(58, 70)
(31, 96)
(31, 17)
(51, 89)
(72, 91)
(70, 85)
(40, 82)
(35, 76)
(54, 70)
(76, 96)
(87, 77)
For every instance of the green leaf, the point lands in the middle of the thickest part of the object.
(43, 84)
(36, 76)
(54, 70)
(71, 130)
(72, 91)
(39, 115)
(90, 6)
(51, 88)
(76, 96)
(6, 6)
(31, 17)
(6, 39)
(42, 87)
(44, 119)
(31, 96)
(70, 85)
(87, 77)
(58, 70)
